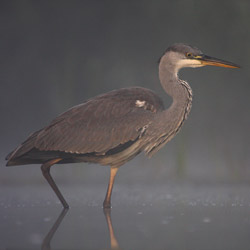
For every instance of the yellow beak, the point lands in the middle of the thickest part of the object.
(207, 60)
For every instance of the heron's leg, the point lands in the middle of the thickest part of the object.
(107, 201)
(46, 173)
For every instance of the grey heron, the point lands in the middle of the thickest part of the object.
(114, 127)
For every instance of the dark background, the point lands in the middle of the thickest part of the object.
(56, 54)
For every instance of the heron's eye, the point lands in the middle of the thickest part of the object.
(189, 55)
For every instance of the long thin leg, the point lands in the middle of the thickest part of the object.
(46, 173)
(107, 201)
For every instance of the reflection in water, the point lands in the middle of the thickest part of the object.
(113, 242)
(183, 218)
(107, 212)
(49, 236)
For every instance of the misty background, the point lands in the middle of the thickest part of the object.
(56, 54)
(194, 193)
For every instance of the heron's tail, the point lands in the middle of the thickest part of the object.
(18, 156)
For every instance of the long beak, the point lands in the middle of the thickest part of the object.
(207, 60)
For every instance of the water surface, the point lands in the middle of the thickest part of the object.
(149, 217)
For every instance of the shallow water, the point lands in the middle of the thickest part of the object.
(149, 217)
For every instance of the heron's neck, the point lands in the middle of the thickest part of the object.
(169, 122)
(179, 90)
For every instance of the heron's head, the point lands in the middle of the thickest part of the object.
(181, 55)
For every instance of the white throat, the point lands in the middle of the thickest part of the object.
(187, 63)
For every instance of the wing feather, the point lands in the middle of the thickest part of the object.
(98, 125)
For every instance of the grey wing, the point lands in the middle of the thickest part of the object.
(98, 125)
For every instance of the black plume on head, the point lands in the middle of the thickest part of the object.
(182, 48)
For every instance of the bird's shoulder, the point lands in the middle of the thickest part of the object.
(119, 102)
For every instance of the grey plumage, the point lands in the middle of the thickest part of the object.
(91, 130)
(112, 128)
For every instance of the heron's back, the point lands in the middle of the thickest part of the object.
(93, 131)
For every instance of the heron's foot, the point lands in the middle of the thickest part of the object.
(106, 205)
(65, 206)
